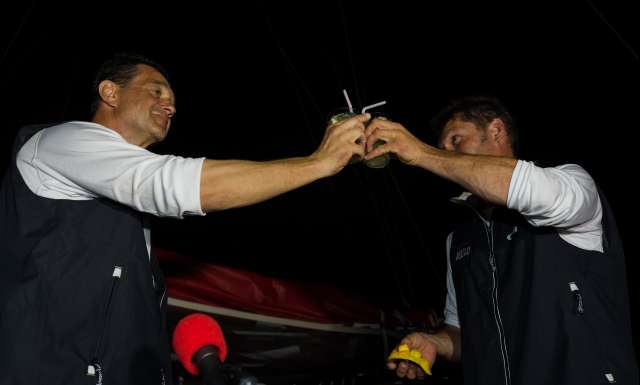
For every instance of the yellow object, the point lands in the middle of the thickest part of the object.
(403, 352)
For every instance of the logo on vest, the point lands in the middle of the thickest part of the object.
(463, 252)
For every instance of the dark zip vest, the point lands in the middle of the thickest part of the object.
(534, 309)
(80, 300)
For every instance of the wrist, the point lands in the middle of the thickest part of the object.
(318, 166)
(425, 153)
(442, 342)
(438, 161)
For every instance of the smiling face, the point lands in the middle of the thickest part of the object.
(140, 109)
(146, 105)
(466, 137)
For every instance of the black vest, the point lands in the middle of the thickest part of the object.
(534, 309)
(80, 302)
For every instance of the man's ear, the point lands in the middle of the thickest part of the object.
(108, 91)
(497, 130)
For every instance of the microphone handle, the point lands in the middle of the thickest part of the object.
(208, 362)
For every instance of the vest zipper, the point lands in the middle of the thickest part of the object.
(496, 307)
(95, 367)
(488, 228)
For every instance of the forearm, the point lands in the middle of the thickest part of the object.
(488, 177)
(234, 183)
(447, 341)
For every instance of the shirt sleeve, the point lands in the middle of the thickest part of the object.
(81, 160)
(451, 305)
(564, 197)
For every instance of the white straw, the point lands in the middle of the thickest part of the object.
(346, 96)
(373, 105)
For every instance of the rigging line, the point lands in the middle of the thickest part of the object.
(397, 234)
(315, 142)
(343, 19)
(292, 68)
(25, 17)
(414, 224)
(305, 117)
(373, 198)
(620, 38)
(329, 181)
(303, 85)
(383, 228)
(384, 233)
(403, 253)
(361, 175)
(400, 246)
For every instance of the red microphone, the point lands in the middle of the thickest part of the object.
(199, 343)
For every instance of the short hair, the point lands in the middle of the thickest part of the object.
(479, 110)
(120, 69)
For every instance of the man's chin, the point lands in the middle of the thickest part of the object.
(161, 136)
(158, 135)
(162, 131)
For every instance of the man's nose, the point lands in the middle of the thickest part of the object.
(169, 109)
(446, 146)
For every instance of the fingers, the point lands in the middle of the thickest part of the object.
(355, 137)
(355, 134)
(350, 137)
(409, 340)
(383, 134)
(342, 141)
(412, 371)
(352, 128)
(387, 136)
(402, 368)
(358, 149)
(407, 369)
(363, 118)
(420, 374)
(380, 150)
(355, 121)
(378, 123)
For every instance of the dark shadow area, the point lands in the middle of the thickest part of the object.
(258, 80)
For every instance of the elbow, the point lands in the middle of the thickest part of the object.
(217, 201)
(212, 205)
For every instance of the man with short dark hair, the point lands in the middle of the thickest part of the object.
(81, 295)
(536, 279)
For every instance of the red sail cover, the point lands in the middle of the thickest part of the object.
(215, 285)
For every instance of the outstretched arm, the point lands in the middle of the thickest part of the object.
(488, 177)
(564, 197)
(233, 183)
(84, 160)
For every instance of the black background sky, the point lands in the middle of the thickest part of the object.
(258, 80)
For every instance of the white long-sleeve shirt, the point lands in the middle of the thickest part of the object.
(84, 160)
(563, 197)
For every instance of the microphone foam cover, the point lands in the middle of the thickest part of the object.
(193, 332)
